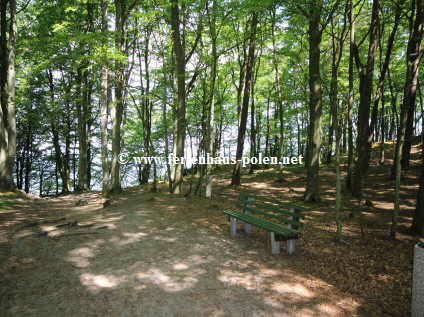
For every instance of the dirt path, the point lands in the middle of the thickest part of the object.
(154, 259)
(157, 255)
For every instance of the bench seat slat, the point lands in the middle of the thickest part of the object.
(270, 226)
(277, 217)
(270, 207)
(266, 199)
(283, 213)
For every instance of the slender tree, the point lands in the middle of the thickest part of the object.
(236, 180)
(104, 106)
(315, 103)
(409, 97)
(179, 64)
(210, 132)
(366, 75)
(351, 97)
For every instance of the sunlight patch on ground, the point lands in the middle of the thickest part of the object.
(259, 185)
(159, 278)
(96, 282)
(165, 239)
(108, 219)
(196, 259)
(384, 205)
(131, 237)
(81, 256)
(247, 280)
(180, 266)
(296, 288)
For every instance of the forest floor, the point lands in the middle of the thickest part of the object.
(152, 254)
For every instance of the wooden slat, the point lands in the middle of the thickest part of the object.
(271, 208)
(269, 215)
(282, 231)
(270, 226)
(261, 223)
(275, 201)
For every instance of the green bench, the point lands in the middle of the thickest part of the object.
(281, 219)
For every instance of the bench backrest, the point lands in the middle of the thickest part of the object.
(271, 208)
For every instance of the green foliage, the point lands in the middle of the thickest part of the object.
(63, 38)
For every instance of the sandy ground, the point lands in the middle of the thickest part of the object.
(149, 255)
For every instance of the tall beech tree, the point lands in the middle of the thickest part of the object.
(406, 149)
(211, 119)
(366, 75)
(104, 104)
(279, 97)
(8, 33)
(315, 100)
(236, 180)
(118, 105)
(409, 96)
(350, 96)
(179, 64)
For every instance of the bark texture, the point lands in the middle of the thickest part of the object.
(315, 105)
(245, 106)
(180, 100)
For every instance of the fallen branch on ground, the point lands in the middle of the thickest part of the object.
(37, 223)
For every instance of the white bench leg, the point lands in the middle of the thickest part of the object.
(291, 246)
(233, 226)
(247, 228)
(275, 245)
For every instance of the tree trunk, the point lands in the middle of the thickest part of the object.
(7, 96)
(28, 163)
(146, 106)
(59, 163)
(253, 152)
(406, 149)
(268, 126)
(180, 105)
(210, 128)
(89, 123)
(381, 81)
(245, 108)
(350, 99)
(337, 217)
(409, 97)
(366, 73)
(334, 88)
(279, 98)
(117, 110)
(383, 132)
(104, 108)
(82, 129)
(315, 105)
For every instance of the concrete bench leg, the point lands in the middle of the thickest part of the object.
(247, 228)
(233, 226)
(275, 245)
(291, 246)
